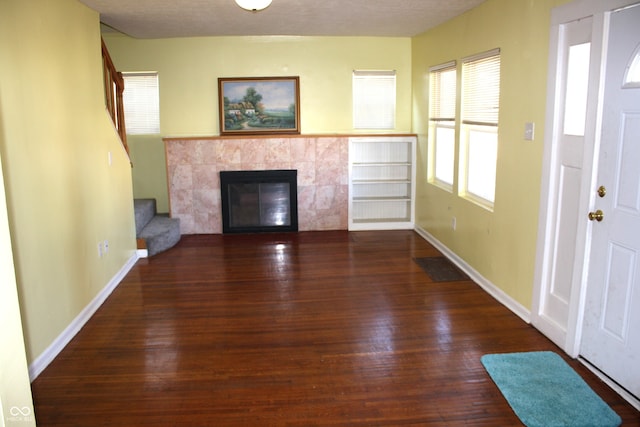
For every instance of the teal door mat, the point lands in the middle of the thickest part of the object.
(544, 391)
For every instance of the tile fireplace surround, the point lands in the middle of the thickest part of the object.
(194, 183)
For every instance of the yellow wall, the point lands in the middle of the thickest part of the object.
(15, 389)
(149, 170)
(501, 244)
(189, 69)
(62, 195)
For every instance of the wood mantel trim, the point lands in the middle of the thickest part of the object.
(272, 136)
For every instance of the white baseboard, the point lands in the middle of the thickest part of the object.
(497, 293)
(47, 356)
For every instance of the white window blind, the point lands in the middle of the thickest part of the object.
(374, 99)
(141, 103)
(442, 117)
(479, 130)
(442, 87)
(481, 89)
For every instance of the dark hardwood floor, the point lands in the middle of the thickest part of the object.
(305, 329)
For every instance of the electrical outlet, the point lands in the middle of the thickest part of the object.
(105, 247)
(453, 223)
(99, 249)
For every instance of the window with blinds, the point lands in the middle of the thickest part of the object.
(141, 101)
(374, 99)
(479, 131)
(442, 117)
(481, 89)
(442, 97)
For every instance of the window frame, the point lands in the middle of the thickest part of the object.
(442, 116)
(478, 116)
(369, 112)
(465, 192)
(142, 114)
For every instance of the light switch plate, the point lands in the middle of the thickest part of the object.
(529, 131)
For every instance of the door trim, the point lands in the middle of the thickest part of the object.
(568, 336)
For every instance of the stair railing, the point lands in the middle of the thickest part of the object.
(113, 89)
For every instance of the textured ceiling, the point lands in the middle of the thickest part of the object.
(192, 18)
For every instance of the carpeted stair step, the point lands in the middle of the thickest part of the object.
(145, 210)
(155, 233)
(160, 234)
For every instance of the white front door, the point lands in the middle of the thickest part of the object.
(587, 277)
(611, 326)
(577, 33)
(572, 149)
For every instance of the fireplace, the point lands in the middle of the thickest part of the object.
(259, 201)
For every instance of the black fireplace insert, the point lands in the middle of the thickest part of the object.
(259, 201)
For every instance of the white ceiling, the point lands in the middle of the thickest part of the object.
(192, 18)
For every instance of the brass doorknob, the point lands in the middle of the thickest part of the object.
(596, 216)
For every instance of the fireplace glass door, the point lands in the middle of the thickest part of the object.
(254, 201)
(265, 204)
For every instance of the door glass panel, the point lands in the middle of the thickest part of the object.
(575, 107)
(632, 75)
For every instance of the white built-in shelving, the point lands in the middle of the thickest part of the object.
(382, 182)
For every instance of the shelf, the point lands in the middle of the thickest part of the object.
(367, 164)
(381, 182)
(382, 199)
(381, 221)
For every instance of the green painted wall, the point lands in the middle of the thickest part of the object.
(189, 68)
(500, 245)
(63, 197)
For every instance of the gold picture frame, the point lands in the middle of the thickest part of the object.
(259, 105)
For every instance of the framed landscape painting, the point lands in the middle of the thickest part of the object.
(259, 105)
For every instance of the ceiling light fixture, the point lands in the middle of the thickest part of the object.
(253, 5)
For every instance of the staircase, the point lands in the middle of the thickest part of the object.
(158, 232)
